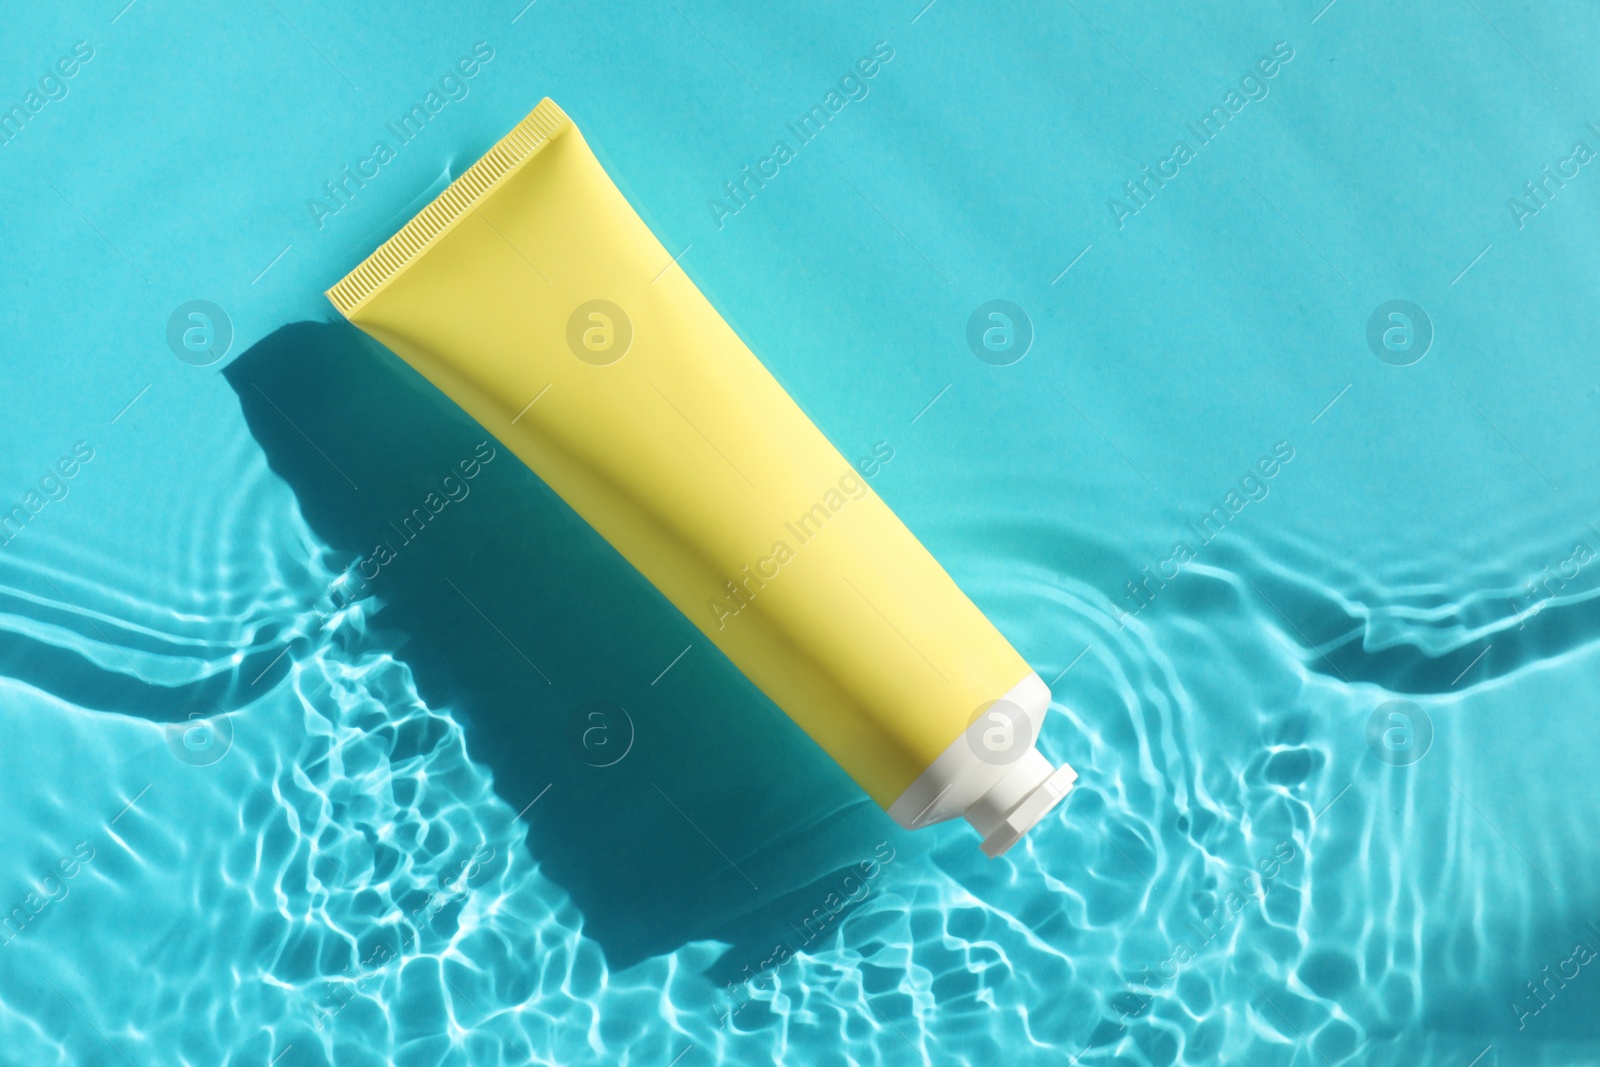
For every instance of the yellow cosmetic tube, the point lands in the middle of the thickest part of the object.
(532, 294)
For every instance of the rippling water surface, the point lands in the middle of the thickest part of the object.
(1317, 601)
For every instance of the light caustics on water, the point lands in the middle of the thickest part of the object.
(344, 886)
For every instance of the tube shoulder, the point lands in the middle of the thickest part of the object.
(541, 125)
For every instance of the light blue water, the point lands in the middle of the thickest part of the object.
(506, 806)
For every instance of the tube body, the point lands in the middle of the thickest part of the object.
(533, 295)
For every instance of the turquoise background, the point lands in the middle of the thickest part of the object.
(319, 833)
